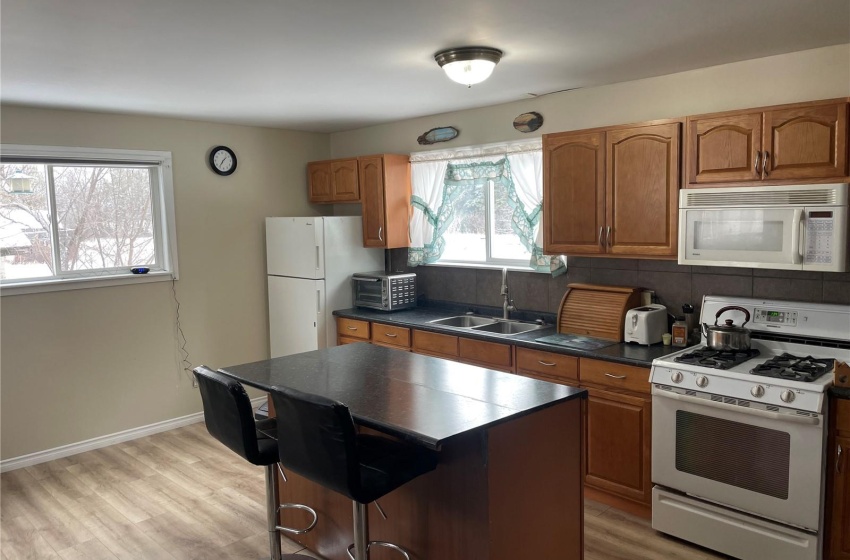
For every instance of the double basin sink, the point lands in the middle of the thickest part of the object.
(488, 324)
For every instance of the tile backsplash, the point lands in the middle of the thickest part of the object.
(673, 284)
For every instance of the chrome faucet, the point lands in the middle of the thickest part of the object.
(508, 304)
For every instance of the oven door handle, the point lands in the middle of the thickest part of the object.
(811, 420)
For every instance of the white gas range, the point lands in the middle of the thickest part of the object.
(738, 438)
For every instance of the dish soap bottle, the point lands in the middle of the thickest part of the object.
(680, 332)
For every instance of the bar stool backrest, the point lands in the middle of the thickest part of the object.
(317, 440)
(228, 413)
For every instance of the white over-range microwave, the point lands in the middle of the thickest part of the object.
(798, 227)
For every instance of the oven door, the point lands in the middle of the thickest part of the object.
(751, 237)
(757, 461)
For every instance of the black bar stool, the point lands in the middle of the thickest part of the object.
(317, 440)
(229, 419)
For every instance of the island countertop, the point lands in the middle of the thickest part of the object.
(421, 399)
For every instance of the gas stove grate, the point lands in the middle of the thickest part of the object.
(716, 359)
(794, 368)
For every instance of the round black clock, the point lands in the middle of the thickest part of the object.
(223, 160)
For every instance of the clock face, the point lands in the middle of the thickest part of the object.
(223, 160)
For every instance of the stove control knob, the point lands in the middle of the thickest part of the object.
(786, 396)
(702, 381)
(757, 391)
(677, 377)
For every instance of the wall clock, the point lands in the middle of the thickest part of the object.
(222, 160)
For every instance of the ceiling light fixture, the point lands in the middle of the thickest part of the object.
(468, 65)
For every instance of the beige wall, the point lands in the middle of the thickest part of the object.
(802, 76)
(85, 363)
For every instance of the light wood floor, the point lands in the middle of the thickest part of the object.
(182, 495)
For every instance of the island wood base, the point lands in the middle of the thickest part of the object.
(512, 491)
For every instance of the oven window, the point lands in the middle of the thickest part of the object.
(741, 455)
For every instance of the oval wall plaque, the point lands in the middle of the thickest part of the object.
(528, 122)
(439, 134)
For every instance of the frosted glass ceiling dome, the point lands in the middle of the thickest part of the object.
(468, 65)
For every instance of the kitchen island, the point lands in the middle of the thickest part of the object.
(509, 481)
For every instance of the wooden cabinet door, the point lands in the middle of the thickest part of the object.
(573, 193)
(642, 190)
(724, 149)
(618, 444)
(372, 185)
(319, 186)
(839, 527)
(806, 142)
(345, 183)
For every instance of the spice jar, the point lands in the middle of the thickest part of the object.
(680, 332)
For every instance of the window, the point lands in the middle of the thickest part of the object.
(72, 217)
(481, 230)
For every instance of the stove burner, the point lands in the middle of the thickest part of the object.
(716, 359)
(794, 368)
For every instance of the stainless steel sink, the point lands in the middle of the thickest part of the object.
(464, 321)
(509, 327)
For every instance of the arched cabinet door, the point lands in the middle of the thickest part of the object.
(642, 187)
(724, 149)
(574, 193)
(806, 142)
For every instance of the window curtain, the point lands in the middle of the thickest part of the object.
(438, 179)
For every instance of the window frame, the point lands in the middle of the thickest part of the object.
(162, 210)
(489, 221)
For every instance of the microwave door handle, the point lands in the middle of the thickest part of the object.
(796, 231)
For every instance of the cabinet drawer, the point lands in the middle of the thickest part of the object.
(618, 376)
(352, 328)
(842, 415)
(391, 336)
(487, 354)
(432, 343)
(548, 364)
(340, 340)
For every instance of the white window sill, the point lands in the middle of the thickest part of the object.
(57, 285)
(488, 266)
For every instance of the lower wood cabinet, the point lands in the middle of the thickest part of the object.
(618, 435)
(391, 336)
(492, 355)
(547, 366)
(838, 483)
(435, 344)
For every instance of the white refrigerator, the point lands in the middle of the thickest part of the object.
(309, 263)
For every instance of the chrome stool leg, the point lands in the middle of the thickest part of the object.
(362, 544)
(273, 507)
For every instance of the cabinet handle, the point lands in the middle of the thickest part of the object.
(608, 235)
(838, 460)
(758, 160)
(380, 230)
(764, 164)
(351, 328)
(600, 234)
(542, 363)
(391, 335)
(615, 376)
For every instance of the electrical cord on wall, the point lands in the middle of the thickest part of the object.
(184, 354)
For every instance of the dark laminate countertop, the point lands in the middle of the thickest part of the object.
(840, 392)
(422, 399)
(420, 317)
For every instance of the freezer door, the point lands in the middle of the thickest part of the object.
(297, 315)
(295, 247)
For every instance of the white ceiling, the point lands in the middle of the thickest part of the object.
(333, 65)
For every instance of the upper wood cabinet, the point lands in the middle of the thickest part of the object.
(333, 181)
(612, 191)
(785, 144)
(385, 184)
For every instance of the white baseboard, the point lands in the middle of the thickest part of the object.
(105, 441)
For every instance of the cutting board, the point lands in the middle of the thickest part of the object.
(595, 310)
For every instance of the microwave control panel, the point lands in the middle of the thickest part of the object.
(819, 237)
(775, 317)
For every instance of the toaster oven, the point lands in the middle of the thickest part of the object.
(387, 291)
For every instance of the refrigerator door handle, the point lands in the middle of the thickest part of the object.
(318, 301)
(317, 257)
